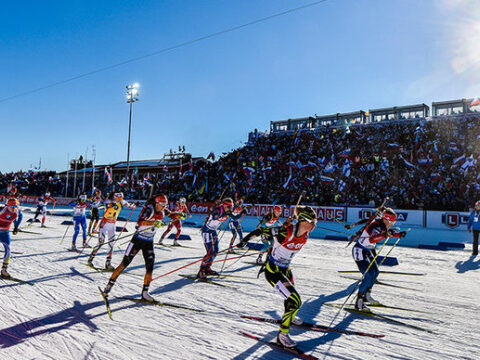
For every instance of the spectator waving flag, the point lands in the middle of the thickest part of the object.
(460, 160)
(288, 182)
(408, 164)
(475, 102)
(344, 153)
(326, 180)
(346, 169)
(108, 176)
(470, 161)
(123, 182)
(384, 165)
(308, 181)
(329, 168)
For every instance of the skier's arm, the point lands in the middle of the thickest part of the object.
(17, 221)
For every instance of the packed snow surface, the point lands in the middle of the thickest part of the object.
(62, 316)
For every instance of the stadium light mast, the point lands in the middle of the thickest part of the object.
(132, 96)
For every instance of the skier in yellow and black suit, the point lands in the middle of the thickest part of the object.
(287, 241)
(108, 225)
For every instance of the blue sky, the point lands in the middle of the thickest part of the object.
(337, 56)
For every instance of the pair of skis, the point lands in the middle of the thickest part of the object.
(11, 278)
(142, 301)
(311, 326)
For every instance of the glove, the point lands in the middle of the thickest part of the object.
(15, 230)
(348, 227)
(137, 203)
(393, 231)
(402, 234)
(159, 224)
(379, 211)
(183, 216)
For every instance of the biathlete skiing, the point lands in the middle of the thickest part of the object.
(96, 202)
(179, 213)
(107, 227)
(8, 215)
(79, 219)
(238, 212)
(42, 207)
(218, 215)
(150, 220)
(286, 241)
(364, 254)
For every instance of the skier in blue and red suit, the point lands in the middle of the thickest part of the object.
(8, 215)
(364, 253)
(218, 215)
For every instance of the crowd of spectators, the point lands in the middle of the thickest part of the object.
(31, 182)
(420, 164)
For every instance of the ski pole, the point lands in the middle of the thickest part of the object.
(337, 231)
(124, 226)
(230, 265)
(232, 258)
(189, 264)
(395, 244)
(28, 232)
(68, 227)
(231, 242)
(137, 232)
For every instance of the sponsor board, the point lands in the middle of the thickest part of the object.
(404, 217)
(324, 213)
(199, 208)
(452, 220)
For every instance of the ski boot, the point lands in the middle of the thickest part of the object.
(4, 273)
(211, 272)
(160, 242)
(201, 274)
(369, 299)
(360, 302)
(175, 243)
(259, 260)
(285, 340)
(242, 244)
(73, 248)
(108, 265)
(90, 261)
(146, 296)
(84, 244)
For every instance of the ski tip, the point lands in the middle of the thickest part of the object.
(248, 335)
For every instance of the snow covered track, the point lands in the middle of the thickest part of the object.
(62, 316)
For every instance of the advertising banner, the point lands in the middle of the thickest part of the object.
(448, 220)
(404, 217)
